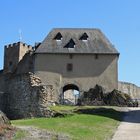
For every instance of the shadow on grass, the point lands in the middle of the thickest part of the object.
(106, 112)
(132, 116)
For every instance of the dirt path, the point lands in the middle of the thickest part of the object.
(37, 134)
(129, 128)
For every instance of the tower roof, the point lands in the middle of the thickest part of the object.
(94, 41)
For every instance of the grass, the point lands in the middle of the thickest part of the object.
(19, 134)
(87, 123)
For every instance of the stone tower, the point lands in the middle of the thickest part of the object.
(13, 54)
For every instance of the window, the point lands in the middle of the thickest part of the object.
(10, 63)
(96, 56)
(70, 44)
(71, 56)
(58, 37)
(69, 67)
(84, 37)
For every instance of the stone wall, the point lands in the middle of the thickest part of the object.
(26, 64)
(26, 97)
(131, 89)
(2, 88)
(13, 54)
(2, 84)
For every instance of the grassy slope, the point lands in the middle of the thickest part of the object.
(19, 134)
(83, 126)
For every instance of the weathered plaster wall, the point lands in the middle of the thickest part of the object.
(25, 97)
(87, 70)
(131, 89)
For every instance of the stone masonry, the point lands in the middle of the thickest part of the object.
(25, 97)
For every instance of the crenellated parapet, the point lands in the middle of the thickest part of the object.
(9, 46)
(13, 54)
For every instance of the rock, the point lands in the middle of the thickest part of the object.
(98, 96)
(117, 98)
(94, 96)
(3, 119)
(6, 130)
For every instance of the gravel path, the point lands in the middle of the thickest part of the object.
(129, 128)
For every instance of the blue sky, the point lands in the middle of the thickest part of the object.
(118, 19)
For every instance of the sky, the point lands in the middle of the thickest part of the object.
(119, 20)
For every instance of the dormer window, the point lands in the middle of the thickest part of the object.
(58, 37)
(84, 37)
(70, 44)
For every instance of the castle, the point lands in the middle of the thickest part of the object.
(67, 59)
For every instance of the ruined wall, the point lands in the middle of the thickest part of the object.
(25, 97)
(131, 89)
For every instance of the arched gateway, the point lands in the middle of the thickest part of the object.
(70, 94)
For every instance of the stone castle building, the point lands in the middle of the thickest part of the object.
(75, 59)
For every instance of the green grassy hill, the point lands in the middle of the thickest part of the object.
(79, 123)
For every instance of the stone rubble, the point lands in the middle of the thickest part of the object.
(98, 96)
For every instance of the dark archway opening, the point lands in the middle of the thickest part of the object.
(70, 94)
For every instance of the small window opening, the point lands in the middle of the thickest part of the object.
(96, 56)
(69, 67)
(71, 56)
(31, 65)
(58, 37)
(10, 63)
(70, 44)
(84, 37)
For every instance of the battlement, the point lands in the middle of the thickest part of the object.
(18, 44)
(13, 54)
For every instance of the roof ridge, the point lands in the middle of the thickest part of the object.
(75, 29)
